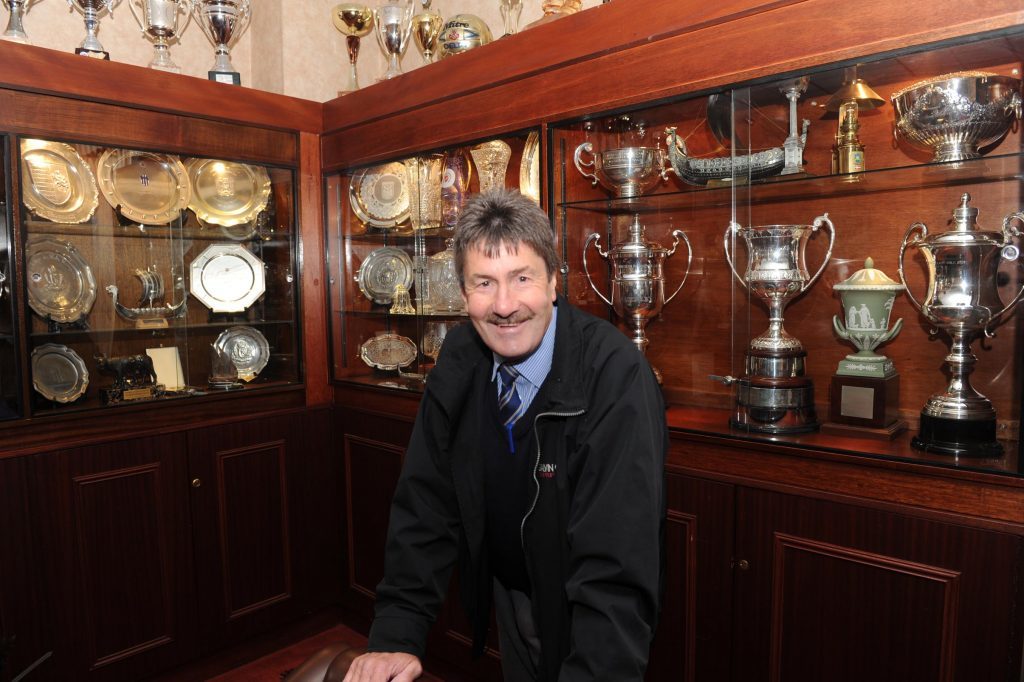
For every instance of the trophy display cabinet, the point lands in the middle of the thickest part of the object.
(778, 204)
(394, 288)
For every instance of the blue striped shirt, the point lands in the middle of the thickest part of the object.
(534, 369)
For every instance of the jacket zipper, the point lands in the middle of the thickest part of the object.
(536, 483)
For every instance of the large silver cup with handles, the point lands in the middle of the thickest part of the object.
(91, 11)
(627, 172)
(222, 21)
(962, 299)
(393, 21)
(158, 21)
(774, 395)
(638, 279)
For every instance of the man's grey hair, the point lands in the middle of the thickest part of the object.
(504, 219)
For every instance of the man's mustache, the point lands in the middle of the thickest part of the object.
(510, 321)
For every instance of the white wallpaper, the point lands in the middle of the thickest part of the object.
(291, 46)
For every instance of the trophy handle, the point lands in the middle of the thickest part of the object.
(577, 158)
(596, 239)
(135, 13)
(840, 329)
(677, 235)
(1009, 252)
(733, 227)
(923, 230)
(822, 220)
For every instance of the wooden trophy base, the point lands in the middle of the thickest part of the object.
(866, 407)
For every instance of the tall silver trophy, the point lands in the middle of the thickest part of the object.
(393, 21)
(962, 300)
(638, 279)
(158, 21)
(774, 396)
(223, 21)
(91, 11)
(15, 23)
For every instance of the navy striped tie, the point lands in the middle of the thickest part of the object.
(510, 407)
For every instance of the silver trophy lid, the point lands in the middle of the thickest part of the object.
(965, 230)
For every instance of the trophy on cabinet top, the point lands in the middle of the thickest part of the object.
(774, 396)
(353, 21)
(393, 21)
(426, 31)
(91, 11)
(15, 23)
(865, 388)
(510, 11)
(222, 21)
(962, 299)
(158, 20)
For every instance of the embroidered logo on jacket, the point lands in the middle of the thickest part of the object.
(546, 470)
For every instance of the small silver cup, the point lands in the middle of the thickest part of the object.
(91, 11)
(15, 32)
(223, 21)
(158, 20)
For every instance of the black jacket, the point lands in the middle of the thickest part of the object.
(593, 535)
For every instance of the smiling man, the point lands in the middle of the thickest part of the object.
(536, 464)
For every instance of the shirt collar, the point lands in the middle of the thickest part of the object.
(536, 366)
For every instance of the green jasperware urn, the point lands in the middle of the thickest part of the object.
(867, 297)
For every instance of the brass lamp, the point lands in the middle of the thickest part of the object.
(855, 95)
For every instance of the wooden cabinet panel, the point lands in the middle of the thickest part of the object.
(241, 527)
(120, 521)
(692, 639)
(841, 592)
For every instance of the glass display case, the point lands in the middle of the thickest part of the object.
(10, 394)
(394, 291)
(826, 259)
(149, 276)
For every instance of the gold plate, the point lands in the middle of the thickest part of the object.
(148, 188)
(227, 193)
(380, 196)
(529, 168)
(57, 183)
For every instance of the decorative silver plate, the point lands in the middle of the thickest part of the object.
(57, 182)
(379, 195)
(60, 283)
(383, 270)
(58, 373)
(149, 188)
(529, 168)
(388, 351)
(247, 348)
(227, 193)
(227, 278)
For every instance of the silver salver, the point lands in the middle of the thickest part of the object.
(227, 278)
(57, 183)
(248, 349)
(388, 351)
(58, 373)
(382, 271)
(145, 187)
(60, 283)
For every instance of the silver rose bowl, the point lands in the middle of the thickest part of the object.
(954, 114)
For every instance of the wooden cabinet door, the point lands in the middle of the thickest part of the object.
(692, 639)
(845, 593)
(242, 527)
(115, 552)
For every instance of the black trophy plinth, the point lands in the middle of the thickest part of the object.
(974, 438)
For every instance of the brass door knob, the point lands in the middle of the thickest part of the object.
(196, 483)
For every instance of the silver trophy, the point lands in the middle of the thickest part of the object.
(795, 142)
(158, 20)
(638, 280)
(91, 11)
(774, 396)
(222, 21)
(393, 21)
(962, 300)
(627, 172)
(15, 29)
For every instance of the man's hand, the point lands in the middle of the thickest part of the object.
(382, 667)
